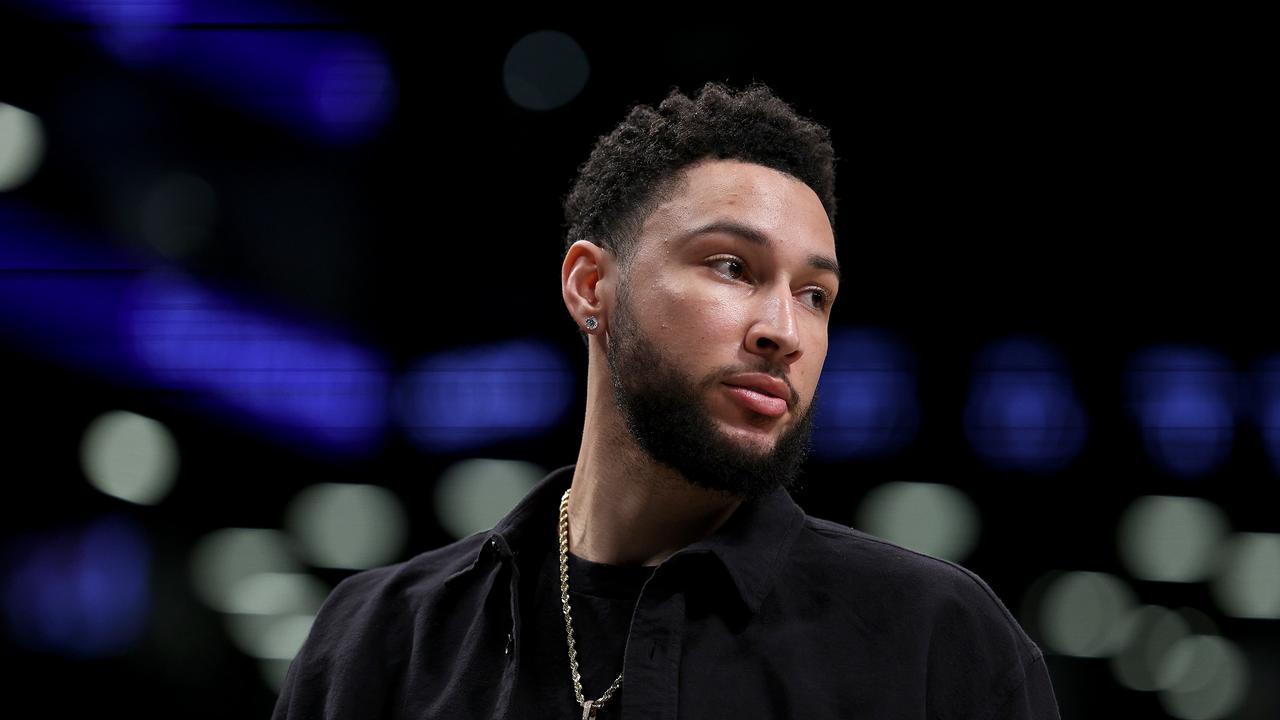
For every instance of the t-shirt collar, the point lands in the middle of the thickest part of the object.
(751, 545)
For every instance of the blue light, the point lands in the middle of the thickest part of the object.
(469, 397)
(61, 294)
(866, 399)
(129, 323)
(1022, 412)
(1266, 405)
(1184, 399)
(328, 84)
(82, 593)
(225, 355)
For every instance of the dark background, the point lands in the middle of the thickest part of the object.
(1106, 191)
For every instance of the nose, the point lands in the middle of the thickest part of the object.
(775, 333)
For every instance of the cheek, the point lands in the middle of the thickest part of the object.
(695, 313)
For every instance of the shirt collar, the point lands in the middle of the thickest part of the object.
(751, 545)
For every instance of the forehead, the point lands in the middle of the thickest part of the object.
(715, 191)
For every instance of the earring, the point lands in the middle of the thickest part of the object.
(592, 323)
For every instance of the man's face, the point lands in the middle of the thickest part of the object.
(699, 308)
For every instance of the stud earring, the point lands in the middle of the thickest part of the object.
(592, 323)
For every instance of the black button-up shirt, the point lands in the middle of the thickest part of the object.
(775, 615)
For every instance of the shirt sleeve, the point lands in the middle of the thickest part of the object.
(339, 670)
(1033, 698)
(983, 666)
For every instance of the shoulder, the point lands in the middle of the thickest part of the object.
(408, 585)
(879, 573)
(971, 650)
(364, 631)
(366, 607)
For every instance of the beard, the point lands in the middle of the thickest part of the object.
(668, 416)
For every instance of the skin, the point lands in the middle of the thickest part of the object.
(667, 453)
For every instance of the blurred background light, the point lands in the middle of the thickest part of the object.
(276, 593)
(298, 381)
(273, 673)
(1151, 631)
(82, 593)
(468, 397)
(1248, 581)
(96, 311)
(21, 146)
(223, 559)
(61, 294)
(352, 526)
(1203, 677)
(269, 637)
(130, 457)
(1171, 539)
(352, 89)
(473, 495)
(1184, 401)
(1085, 614)
(176, 214)
(866, 401)
(932, 518)
(269, 617)
(329, 84)
(1265, 408)
(1022, 412)
(544, 70)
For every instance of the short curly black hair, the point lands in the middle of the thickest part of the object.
(637, 166)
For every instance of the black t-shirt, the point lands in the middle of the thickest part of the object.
(602, 598)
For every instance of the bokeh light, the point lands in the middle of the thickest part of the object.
(82, 592)
(21, 146)
(932, 518)
(276, 593)
(1265, 408)
(866, 399)
(130, 457)
(1248, 581)
(176, 214)
(1204, 677)
(544, 70)
(1084, 614)
(1184, 399)
(328, 83)
(1023, 412)
(473, 495)
(473, 396)
(223, 559)
(1151, 631)
(352, 89)
(352, 526)
(269, 637)
(301, 382)
(1172, 539)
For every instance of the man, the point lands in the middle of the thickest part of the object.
(683, 581)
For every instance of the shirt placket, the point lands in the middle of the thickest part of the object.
(652, 659)
(510, 659)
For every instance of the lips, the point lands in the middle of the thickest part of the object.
(758, 401)
(761, 383)
(762, 393)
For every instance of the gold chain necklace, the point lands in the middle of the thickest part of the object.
(589, 707)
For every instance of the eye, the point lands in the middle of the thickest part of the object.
(742, 267)
(820, 298)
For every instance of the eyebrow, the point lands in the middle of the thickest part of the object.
(758, 237)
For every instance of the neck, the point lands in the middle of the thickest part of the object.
(625, 509)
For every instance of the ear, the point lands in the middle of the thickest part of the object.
(587, 283)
